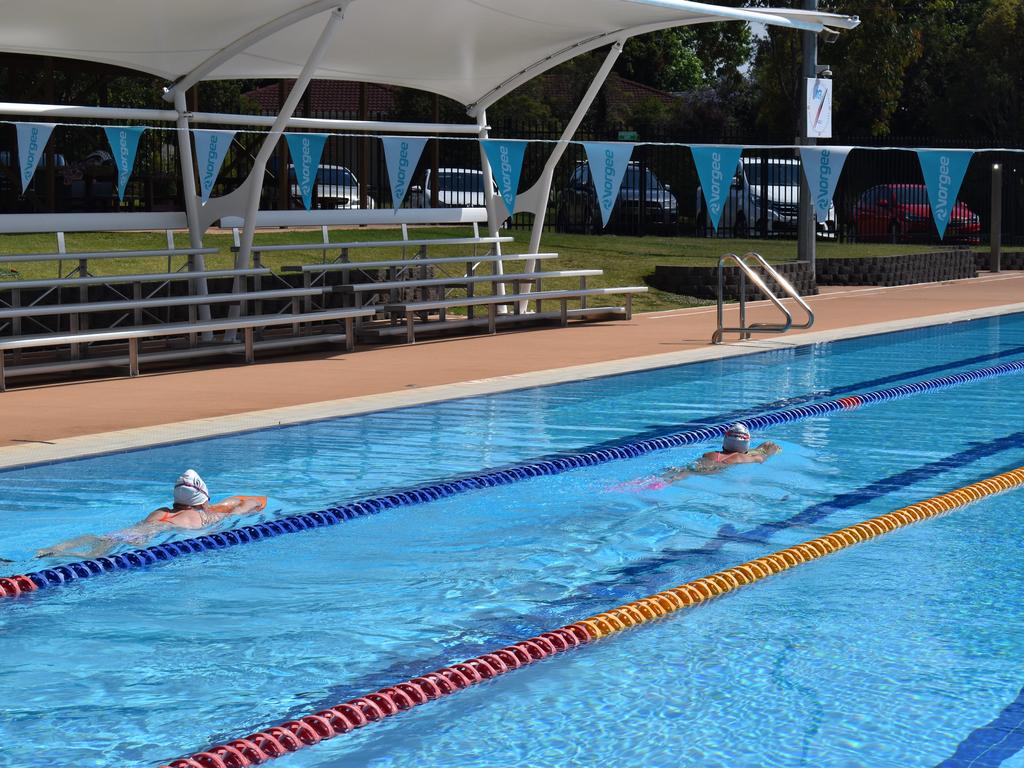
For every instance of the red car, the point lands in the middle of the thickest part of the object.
(902, 213)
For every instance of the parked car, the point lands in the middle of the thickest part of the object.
(35, 199)
(456, 188)
(903, 213)
(642, 198)
(336, 188)
(775, 179)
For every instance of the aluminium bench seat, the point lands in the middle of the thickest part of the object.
(19, 258)
(43, 310)
(411, 308)
(455, 281)
(140, 277)
(461, 324)
(345, 266)
(424, 243)
(136, 334)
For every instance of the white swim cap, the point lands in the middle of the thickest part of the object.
(190, 490)
(737, 439)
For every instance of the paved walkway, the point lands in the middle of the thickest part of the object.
(35, 416)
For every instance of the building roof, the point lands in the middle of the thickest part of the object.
(328, 97)
(340, 98)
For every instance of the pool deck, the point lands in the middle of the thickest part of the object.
(53, 422)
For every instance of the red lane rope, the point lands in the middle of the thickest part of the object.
(16, 585)
(312, 729)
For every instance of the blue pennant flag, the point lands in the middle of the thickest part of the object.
(506, 159)
(32, 139)
(944, 171)
(211, 149)
(822, 167)
(608, 162)
(306, 150)
(401, 155)
(124, 143)
(715, 169)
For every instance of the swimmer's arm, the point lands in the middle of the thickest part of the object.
(760, 454)
(237, 505)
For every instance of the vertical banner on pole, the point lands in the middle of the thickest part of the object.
(32, 139)
(819, 108)
(401, 155)
(822, 167)
(944, 171)
(715, 169)
(608, 163)
(124, 143)
(306, 149)
(211, 149)
(506, 160)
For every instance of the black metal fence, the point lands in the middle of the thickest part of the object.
(660, 194)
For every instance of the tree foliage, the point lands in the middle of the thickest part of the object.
(944, 69)
(686, 58)
(917, 68)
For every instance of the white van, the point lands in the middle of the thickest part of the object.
(457, 188)
(763, 187)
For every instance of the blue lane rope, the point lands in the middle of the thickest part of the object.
(140, 558)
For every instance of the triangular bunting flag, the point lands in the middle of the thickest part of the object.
(124, 143)
(506, 159)
(608, 163)
(401, 155)
(944, 171)
(306, 150)
(32, 139)
(211, 149)
(822, 167)
(715, 169)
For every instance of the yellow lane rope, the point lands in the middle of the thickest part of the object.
(717, 584)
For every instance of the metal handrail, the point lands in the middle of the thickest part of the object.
(748, 271)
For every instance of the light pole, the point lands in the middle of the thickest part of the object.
(805, 247)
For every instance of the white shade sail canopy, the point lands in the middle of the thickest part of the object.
(472, 51)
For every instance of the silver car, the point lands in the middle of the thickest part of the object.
(336, 187)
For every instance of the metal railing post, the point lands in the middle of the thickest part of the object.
(748, 271)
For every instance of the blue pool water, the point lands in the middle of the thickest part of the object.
(901, 652)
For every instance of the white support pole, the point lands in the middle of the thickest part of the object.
(255, 179)
(543, 186)
(492, 203)
(246, 41)
(196, 261)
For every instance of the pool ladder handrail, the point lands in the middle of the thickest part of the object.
(748, 271)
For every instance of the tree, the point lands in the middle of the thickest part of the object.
(992, 95)
(687, 58)
(871, 65)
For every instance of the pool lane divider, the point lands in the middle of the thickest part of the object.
(14, 586)
(311, 729)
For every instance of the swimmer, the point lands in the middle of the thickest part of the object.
(735, 450)
(191, 510)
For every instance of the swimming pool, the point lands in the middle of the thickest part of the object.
(899, 652)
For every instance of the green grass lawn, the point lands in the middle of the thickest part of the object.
(625, 260)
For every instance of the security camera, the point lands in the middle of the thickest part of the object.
(823, 70)
(829, 35)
